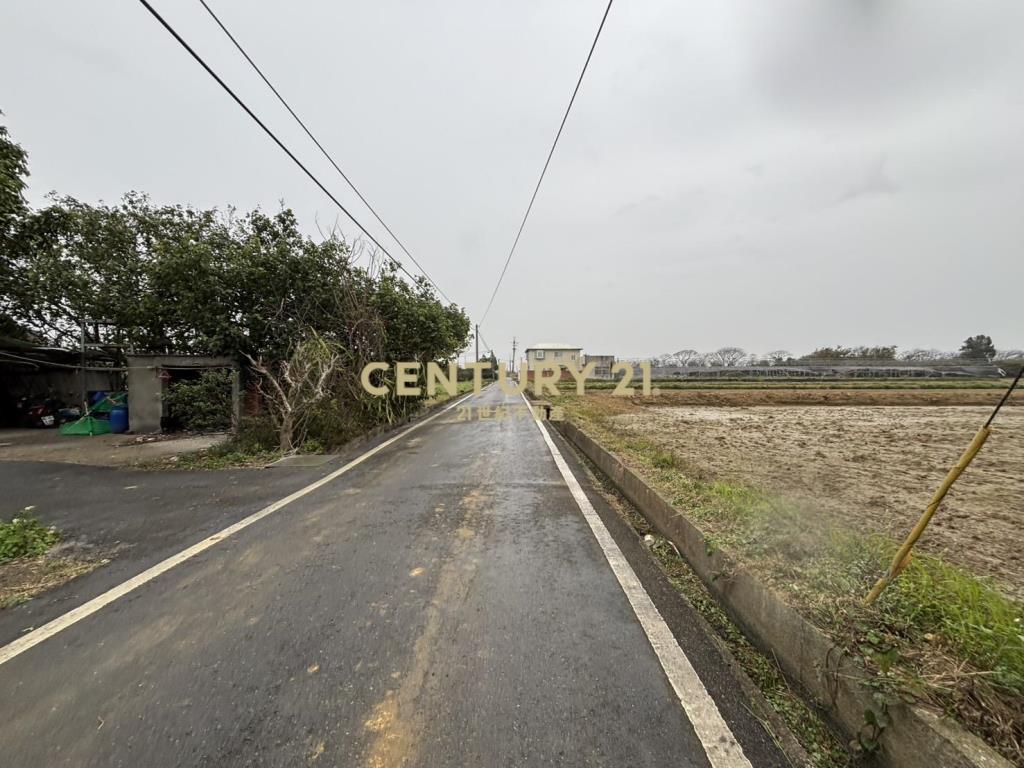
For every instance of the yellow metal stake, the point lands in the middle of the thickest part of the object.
(902, 557)
(899, 562)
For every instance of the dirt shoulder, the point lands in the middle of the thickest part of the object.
(98, 450)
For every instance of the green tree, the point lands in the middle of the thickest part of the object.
(13, 170)
(175, 279)
(978, 347)
(491, 372)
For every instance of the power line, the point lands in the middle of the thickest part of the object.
(1006, 396)
(271, 134)
(319, 146)
(48, 363)
(547, 162)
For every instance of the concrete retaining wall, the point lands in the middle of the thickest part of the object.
(916, 737)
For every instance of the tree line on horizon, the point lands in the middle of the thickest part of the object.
(978, 348)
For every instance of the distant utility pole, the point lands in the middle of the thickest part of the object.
(477, 335)
(513, 361)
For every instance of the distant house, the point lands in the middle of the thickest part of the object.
(549, 355)
(602, 365)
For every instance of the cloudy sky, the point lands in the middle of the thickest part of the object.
(767, 175)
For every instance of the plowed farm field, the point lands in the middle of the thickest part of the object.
(870, 459)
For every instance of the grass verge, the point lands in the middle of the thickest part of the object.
(23, 579)
(441, 395)
(26, 568)
(227, 455)
(938, 635)
(823, 747)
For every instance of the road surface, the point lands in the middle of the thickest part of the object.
(446, 601)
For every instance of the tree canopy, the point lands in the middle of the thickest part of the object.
(175, 279)
(13, 170)
(978, 347)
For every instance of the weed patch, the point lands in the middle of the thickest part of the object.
(25, 536)
(225, 456)
(27, 564)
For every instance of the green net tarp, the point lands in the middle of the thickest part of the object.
(87, 425)
(108, 402)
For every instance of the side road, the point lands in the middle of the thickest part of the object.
(137, 517)
(443, 602)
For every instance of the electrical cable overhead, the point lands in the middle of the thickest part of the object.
(1006, 396)
(319, 146)
(276, 140)
(547, 162)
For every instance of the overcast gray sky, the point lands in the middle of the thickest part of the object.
(767, 175)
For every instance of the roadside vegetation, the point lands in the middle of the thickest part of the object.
(27, 566)
(202, 404)
(939, 634)
(440, 395)
(24, 536)
(301, 316)
(823, 747)
(256, 441)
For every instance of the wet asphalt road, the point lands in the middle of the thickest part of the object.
(442, 604)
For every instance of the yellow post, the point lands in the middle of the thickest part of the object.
(902, 557)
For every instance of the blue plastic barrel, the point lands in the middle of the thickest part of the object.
(119, 419)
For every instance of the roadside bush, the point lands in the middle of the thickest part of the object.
(25, 536)
(255, 434)
(311, 445)
(203, 404)
(254, 442)
(331, 424)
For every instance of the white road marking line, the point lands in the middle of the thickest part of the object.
(75, 615)
(722, 749)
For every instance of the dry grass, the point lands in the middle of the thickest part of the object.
(26, 577)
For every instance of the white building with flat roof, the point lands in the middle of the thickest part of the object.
(554, 353)
(550, 354)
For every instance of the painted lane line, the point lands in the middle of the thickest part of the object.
(75, 615)
(722, 749)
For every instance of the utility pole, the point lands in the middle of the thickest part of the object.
(513, 362)
(81, 377)
(477, 335)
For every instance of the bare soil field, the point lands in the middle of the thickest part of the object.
(832, 397)
(871, 459)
